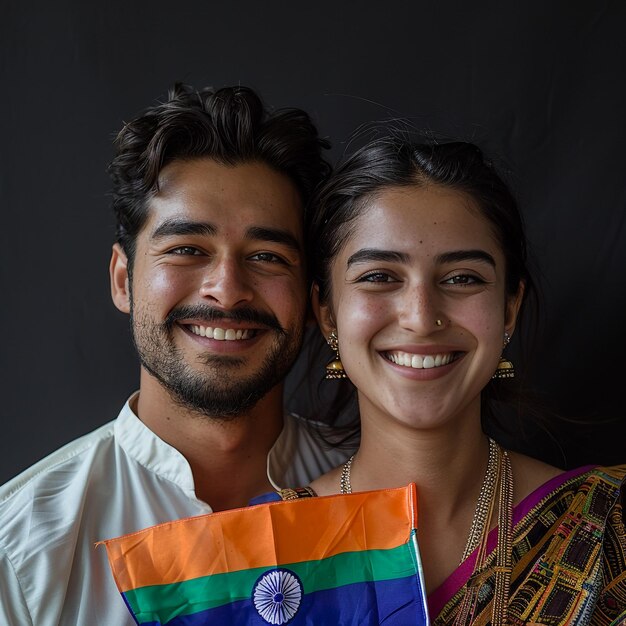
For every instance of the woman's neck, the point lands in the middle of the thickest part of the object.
(447, 464)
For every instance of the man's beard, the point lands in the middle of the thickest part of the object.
(213, 389)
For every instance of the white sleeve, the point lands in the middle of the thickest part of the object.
(13, 608)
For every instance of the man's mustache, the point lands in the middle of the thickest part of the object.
(209, 314)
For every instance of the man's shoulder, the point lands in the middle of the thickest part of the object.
(304, 451)
(113, 481)
(54, 467)
(322, 436)
(40, 526)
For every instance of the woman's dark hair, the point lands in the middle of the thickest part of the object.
(229, 125)
(395, 162)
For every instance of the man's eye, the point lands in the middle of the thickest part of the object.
(267, 257)
(185, 251)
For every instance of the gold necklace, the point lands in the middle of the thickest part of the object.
(485, 497)
(344, 480)
(504, 549)
(503, 552)
(498, 478)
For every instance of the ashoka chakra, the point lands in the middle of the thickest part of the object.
(277, 595)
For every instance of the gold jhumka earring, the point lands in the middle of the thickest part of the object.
(334, 368)
(505, 367)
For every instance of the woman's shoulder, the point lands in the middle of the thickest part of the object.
(603, 490)
(593, 495)
(604, 484)
(532, 475)
(615, 474)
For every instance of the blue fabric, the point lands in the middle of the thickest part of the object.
(389, 602)
(272, 496)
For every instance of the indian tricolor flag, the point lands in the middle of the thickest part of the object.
(345, 559)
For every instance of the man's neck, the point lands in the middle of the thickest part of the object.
(227, 456)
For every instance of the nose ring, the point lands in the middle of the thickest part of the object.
(438, 323)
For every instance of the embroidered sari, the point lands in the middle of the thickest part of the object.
(569, 557)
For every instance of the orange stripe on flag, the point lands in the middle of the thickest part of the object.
(309, 529)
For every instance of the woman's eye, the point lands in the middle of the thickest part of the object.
(185, 251)
(376, 277)
(463, 279)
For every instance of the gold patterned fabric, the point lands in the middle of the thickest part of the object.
(296, 493)
(569, 558)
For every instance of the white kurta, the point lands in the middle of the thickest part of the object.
(116, 480)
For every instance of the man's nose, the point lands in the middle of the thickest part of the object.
(226, 283)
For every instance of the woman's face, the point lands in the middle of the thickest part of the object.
(418, 255)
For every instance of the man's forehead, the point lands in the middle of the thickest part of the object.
(210, 177)
(236, 197)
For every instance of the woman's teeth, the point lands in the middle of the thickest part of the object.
(418, 361)
(222, 334)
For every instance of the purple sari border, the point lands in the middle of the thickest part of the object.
(534, 498)
(438, 598)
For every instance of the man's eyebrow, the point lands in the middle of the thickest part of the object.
(456, 256)
(174, 227)
(274, 235)
(374, 254)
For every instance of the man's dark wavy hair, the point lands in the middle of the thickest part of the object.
(230, 125)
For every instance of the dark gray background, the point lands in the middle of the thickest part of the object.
(538, 83)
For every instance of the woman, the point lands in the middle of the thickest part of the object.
(419, 268)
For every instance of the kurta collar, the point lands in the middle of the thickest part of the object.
(145, 447)
(140, 443)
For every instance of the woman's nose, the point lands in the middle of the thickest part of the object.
(421, 310)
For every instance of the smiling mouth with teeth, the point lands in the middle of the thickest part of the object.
(222, 334)
(418, 361)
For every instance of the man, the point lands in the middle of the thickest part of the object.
(208, 191)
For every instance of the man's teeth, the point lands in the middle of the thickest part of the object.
(418, 361)
(221, 334)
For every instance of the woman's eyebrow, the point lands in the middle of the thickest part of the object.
(374, 254)
(456, 256)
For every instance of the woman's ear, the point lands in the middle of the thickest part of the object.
(120, 284)
(322, 312)
(513, 305)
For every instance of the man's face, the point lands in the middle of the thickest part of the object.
(218, 289)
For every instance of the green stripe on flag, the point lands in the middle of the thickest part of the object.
(157, 602)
